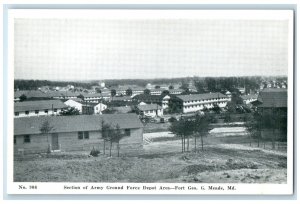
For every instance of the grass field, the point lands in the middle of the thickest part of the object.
(160, 162)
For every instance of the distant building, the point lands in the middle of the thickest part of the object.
(162, 100)
(121, 98)
(93, 108)
(38, 108)
(229, 95)
(75, 103)
(176, 91)
(75, 133)
(247, 99)
(92, 98)
(151, 110)
(196, 102)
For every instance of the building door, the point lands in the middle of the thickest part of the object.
(54, 141)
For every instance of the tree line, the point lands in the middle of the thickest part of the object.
(35, 84)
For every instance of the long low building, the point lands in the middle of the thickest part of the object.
(75, 133)
(198, 102)
(38, 108)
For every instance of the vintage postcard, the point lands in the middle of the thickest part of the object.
(150, 102)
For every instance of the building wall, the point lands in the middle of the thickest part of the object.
(196, 105)
(152, 113)
(70, 142)
(99, 108)
(41, 113)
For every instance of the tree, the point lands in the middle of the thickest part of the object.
(98, 90)
(200, 128)
(182, 128)
(216, 109)
(254, 127)
(69, 111)
(23, 97)
(171, 87)
(105, 131)
(147, 91)
(113, 92)
(157, 87)
(165, 92)
(81, 97)
(45, 129)
(117, 136)
(129, 92)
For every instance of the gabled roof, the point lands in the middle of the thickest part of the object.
(38, 105)
(206, 96)
(271, 97)
(60, 124)
(30, 94)
(149, 107)
(91, 95)
(122, 109)
(146, 97)
(121, 98)
(175, 90)
(250, 96)
(75, 99)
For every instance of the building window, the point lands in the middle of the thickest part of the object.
(27, 112)
(127, 132)
(46, 111)
(15, 140)
(86, 135)
(36, 111)
(16, 113)
(26, 138)
(83, 135)
(80, 135)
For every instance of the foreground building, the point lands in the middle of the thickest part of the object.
(38, 108)
(197, 102)
(271, 105)
(75, 133)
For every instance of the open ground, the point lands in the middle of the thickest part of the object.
(228, 159)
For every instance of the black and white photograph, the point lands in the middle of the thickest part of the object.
(152, 100)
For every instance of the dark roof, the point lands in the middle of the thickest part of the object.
(193, 97)
(271, 97)
(91, 95)
(146, 97)
(250, 96)
(147, 107)
(38, 105)
(175, 90)
(30, 94)
(121, 98)
(76, 123)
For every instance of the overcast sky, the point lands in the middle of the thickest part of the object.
(86, 49)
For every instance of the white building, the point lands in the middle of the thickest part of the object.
(99, 108)
(197, 102)
(175, 91)
(38, 108)
(151, 110)
(247, 99)
(75, 103)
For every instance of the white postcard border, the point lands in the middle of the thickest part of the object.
(63, 188)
